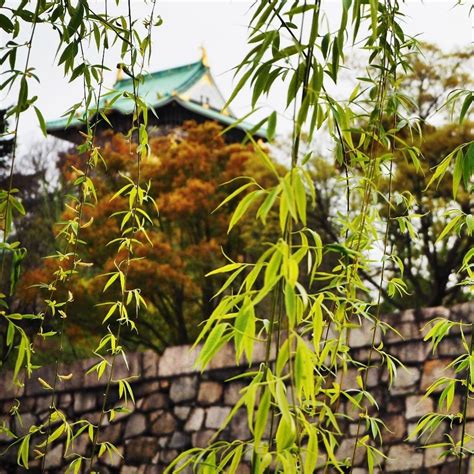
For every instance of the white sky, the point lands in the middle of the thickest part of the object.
(220, 26)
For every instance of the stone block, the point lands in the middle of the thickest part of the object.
(7, 388)
(129, 470)
(396, 404)
(232, 393)
(65, 401)
(216, 416)
(433, 457)
(406, 380)
(353, 427)
(351, 410)
(114, 459)
(243, 469)
(168, 455)
(81, 444)
(417, 406)
(462, 312)
(142, 389)
(129, 367)
(27, 420)
(403, 457)
(430, 437)
(396, 428)
(434, 312)
(407, 316)
(27, 404)
(411, 351)
(408, 331)
(195, 420)
(165, 423)
(346, 450)
(155, 469)
(225, 358)
(54, 458)
(155, 401)
(209, 393)
(200, 439)
(43, 404)
(178, 360)
(470, 409)
(223, 375)
(455, 407)
(183, 389)
(349, 379)
(373, 377)
(140, 450)
(433, 370)
(150, 364)
(362, 336)
(362, 355)
(182, 412)
(239, 425)
(180, 441)
(85, 401)
(111, 433)
(450, 347)
(136, 425)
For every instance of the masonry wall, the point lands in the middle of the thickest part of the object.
(178, 407)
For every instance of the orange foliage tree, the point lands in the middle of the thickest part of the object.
(190, 172)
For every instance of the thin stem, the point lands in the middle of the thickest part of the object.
(18, 112)
(82, 201)
(134, 126)
(465, 405)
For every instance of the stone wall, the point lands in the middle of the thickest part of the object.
(178, 407)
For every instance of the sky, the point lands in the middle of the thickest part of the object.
(220, 26)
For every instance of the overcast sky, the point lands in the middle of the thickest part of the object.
(221, 27)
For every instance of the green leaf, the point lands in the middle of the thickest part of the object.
(41, 120)
(236, 457)
(226, 268)
(288, 192)
(312, 452)
(449, 227)
(6, 24)
(300, 196)
(215, 340)
(261, 417)
(458, 172)
(271, 126)
(267, 204)
(318, 323)
(243, 207)
(286, 433)
(465, 106)
(290, 305)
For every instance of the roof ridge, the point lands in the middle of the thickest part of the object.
(164, 72)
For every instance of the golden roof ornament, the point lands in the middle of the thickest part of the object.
(119, 76)
(204, 56)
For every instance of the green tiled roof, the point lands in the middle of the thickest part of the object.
(158, 89)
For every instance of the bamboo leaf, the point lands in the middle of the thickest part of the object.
(449, 227)
(243, 207)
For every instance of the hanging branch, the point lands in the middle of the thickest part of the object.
(86, 191)
(137, 217)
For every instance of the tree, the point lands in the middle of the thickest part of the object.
(430, 267)
(6, 141)
(433, 75)
(40, 197)
(186, 171)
